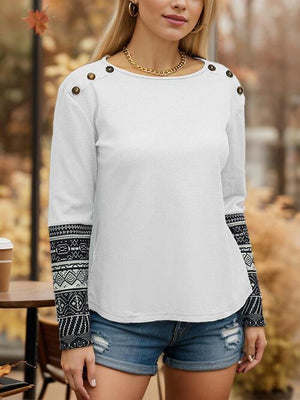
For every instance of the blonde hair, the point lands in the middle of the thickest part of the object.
(121, 26)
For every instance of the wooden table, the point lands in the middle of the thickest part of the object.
(30, 295)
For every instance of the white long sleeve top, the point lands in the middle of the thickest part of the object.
(146, 202)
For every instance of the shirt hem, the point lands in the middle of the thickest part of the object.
(170, 316)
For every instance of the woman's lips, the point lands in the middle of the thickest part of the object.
(175, 21)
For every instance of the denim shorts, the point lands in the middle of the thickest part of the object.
(194, 346)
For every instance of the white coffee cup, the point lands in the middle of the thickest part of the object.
(6, 252)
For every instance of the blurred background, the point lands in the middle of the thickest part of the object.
(259, 41)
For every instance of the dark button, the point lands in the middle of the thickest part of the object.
(211, 67)
(229, 73)
(91, 75)
(240, 90)
(109, 68)
(75, 89)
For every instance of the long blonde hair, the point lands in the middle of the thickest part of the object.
(121, 26)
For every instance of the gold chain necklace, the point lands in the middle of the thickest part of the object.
(153, 71)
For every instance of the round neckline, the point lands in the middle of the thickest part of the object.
(134, 74)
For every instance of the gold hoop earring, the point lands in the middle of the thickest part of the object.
(133, 9)
(198, 27)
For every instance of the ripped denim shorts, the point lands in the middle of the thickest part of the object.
(195, 346)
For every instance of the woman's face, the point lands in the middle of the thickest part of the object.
(152, 14)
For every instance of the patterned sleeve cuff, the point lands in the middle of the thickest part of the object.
(69, 248)
(252, 310)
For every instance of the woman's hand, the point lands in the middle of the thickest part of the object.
(73, 362)
(255, 343)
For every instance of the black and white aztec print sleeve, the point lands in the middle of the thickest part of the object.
(234, 194)
(72, 180)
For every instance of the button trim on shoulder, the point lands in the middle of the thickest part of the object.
(211, 67)
(75, 89)
(239, 89)
(91, 75)
(109, 68)
(229, 73)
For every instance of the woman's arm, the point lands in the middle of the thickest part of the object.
(73, 170)
(72, 180)
(234, 194)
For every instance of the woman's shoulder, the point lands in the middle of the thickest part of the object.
(220, 69)
(230, 81)
(223, 71)
(80, 78)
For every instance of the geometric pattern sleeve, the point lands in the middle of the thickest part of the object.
(73, 169)
(69, 249)
(234, 193)
(251, 312)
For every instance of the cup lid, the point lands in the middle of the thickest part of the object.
(5, 243)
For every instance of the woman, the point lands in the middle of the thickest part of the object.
(149, 244)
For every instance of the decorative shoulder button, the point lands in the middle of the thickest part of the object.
(240, 90)
(229, 73)
(91, 75)
(75, 89)
(109, 68)
(211, 67)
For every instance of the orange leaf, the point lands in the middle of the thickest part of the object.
(37, 20)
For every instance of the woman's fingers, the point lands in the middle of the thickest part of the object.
(79, 364)
(78, 383)
(260, 347)
(254, 346)
(69, 379)
(91, 369)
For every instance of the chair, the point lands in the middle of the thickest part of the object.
(49, 356)
(10, 387)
